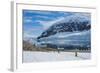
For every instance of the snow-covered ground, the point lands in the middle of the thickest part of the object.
(29, 56)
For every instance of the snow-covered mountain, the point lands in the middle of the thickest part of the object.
(71, 31)
(75, 22)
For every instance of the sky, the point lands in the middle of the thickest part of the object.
(35, 22)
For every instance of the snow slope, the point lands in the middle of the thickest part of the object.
(29, 56)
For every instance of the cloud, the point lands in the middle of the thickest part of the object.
(27, 19)
(32, 32)
(46, 13)
(47, 24)
(39, 12)
(42, 17)
(83, 14)
(37, 18)
(29, 34)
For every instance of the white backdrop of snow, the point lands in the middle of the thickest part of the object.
(29, 56)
